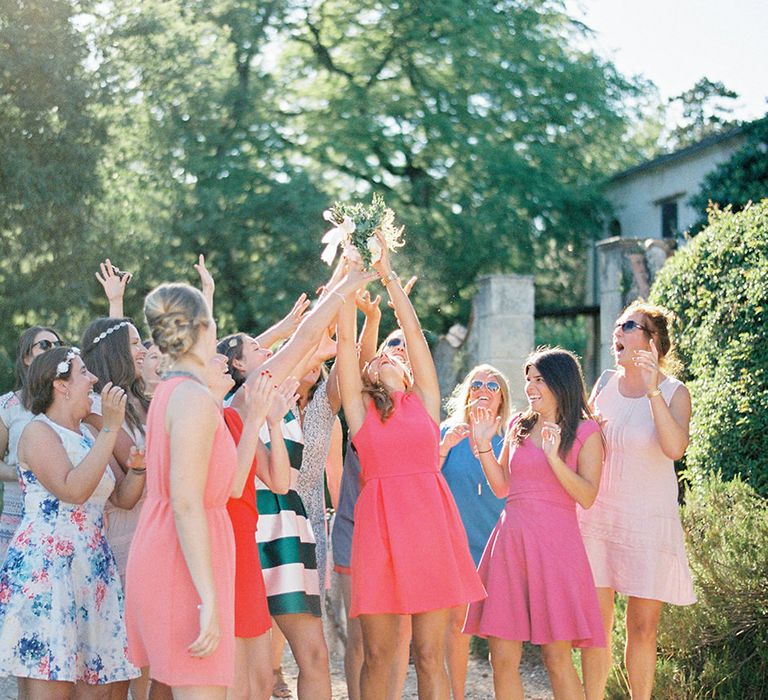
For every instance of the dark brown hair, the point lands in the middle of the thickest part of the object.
(232, 347)
(660, 321)
(38, 391)
(24, 351)
(562, 374)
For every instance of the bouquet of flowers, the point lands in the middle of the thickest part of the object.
(358, 224)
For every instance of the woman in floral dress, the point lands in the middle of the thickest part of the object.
(61, 604)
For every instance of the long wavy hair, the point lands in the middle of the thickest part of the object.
(458, 404)
(562, 374)
(110, 360)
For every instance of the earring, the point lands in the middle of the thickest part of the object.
(67, 395)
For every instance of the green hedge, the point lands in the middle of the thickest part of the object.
(718, 287)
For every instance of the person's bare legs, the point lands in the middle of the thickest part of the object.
(457, 647)
(199, 692)
(399, 671)
(140, 686)
(380, 641)
(563, 678)
(596, 662)
(304, 633)
(48, 690)
(254, 679)
(428, 639)
(160, 691)
(505, 662)
(353, 649)
(643, 617)
(280, 688)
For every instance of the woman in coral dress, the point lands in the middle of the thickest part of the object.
(537, 574)
(181, 566)
(633, 534)
(409, 550)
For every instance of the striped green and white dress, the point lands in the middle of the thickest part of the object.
(285, 539)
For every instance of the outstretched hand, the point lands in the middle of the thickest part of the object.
(113, 401)
(112, 280)
(290, 323)
(207, 283)
(283, 400)
(453, 436)
(484, 426)
(370, 307)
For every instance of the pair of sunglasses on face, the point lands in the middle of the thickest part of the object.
(630, 325)
(393, 343)
(48, 344)
(492, 386)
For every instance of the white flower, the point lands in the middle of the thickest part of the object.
(374, 248)
(62, 368)
(336, 236)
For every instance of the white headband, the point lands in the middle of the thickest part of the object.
(109, 331)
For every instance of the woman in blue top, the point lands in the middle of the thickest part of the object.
(479, 508)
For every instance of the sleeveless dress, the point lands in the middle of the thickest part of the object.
(286, 542)
(478, 506)
(251, 612)
(409, 549)
(632, 533)
(539, 583)
(61, 603)
(310, 484)
(162, 617)
(15, 418)
(121, 523)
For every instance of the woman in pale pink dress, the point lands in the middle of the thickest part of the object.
(632, 533)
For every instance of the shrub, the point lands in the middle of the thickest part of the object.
(718, 287)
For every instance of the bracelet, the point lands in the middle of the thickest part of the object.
(443, 456)
(653, 393)
(137, 470)
(386, 279)
(482, 452)
(105, 430)
(343, 298)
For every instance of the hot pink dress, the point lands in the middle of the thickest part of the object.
(539, 583)
(409, 549)
(161, 614)
(632, 533)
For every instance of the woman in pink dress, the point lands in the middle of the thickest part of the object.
(181, 566)
(410, 554)
(540, 588)
(633, 534)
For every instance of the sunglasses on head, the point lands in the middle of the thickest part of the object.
(492, 386)
(630, 325)
(393, 342)
(46, 344)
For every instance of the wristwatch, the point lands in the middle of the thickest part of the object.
(386, 279)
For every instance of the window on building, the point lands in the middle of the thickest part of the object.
(669, 219)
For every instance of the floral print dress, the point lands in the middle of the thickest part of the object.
(61, 604)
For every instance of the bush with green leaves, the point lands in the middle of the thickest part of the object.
(718, 288)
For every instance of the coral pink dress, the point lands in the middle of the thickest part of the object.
(161, 614)
(632, 533)
(409, 549)
(539, 583)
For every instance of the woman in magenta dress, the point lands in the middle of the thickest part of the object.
(535, 568)
(410, 554)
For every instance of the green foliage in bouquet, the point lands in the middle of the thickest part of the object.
(358, 224)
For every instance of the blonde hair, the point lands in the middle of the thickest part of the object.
(175, 313)
(457, 405)
(660, 321)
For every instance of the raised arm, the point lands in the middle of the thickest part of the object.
(43, 453)
(484, 426)
(369, 336)
(286, 326)
(113, 281)
(348, 368)
(207, 283)
(274, 464)
(424, 374)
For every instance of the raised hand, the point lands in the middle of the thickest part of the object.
(283, 400)
(370, 307)
(484, 426)
(291, 322)
(113, 400)
(407, 287)
(207, 283)
(258, 396)
(453, 436)
(113, 281)
(648, 362)
(209, 636)
(550, 440)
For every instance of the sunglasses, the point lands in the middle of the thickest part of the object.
(393, 342)
(630, 325)
(48, 344)
(492, 386)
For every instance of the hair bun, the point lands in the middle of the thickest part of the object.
(175, 314)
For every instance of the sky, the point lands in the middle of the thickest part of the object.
(675, 42)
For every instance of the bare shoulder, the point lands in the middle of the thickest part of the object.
(39, 437)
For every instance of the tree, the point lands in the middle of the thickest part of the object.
(706, 110)
(742, 178)
(51, 142)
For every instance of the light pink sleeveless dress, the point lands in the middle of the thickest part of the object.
(632, 533)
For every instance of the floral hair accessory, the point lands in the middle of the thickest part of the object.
(234, 342)
(109, 331)
(358, 224)
(65, 365)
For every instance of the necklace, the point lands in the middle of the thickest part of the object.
(172, 374)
